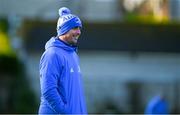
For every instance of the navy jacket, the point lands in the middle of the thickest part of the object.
(61, 80)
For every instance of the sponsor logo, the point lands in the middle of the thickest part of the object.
(79, 69)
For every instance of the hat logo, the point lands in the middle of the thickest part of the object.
(78, 21)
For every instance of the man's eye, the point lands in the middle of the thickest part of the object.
(76, 28)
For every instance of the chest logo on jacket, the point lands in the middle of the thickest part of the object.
(72, 70)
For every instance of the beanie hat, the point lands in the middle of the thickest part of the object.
(67, 21)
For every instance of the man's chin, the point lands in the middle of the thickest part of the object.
(74, 43)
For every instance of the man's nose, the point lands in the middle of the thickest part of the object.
(78, 31)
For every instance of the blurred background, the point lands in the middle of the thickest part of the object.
(129, 51)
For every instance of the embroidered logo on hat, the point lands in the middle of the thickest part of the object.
(78, 20)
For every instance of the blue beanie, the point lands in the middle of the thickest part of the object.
(67, 21)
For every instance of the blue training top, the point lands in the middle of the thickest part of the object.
(61, 80)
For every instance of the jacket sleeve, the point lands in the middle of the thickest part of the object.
(50, 69)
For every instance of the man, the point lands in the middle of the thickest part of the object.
(60, 74)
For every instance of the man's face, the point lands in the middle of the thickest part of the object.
(73, 35)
